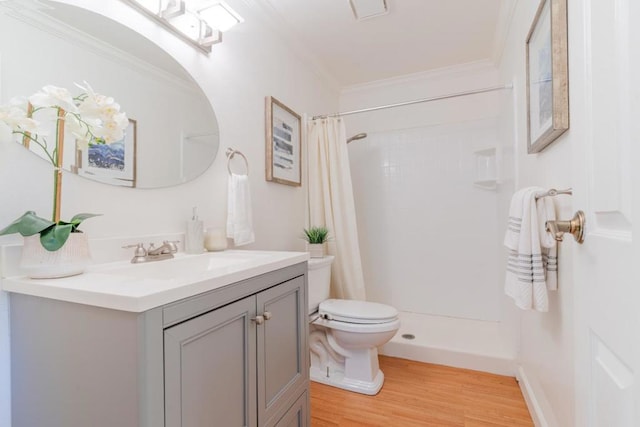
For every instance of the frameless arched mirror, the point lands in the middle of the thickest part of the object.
(172, 136)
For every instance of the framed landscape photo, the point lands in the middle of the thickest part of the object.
(547, 76)
(283, 144)
(113, 163)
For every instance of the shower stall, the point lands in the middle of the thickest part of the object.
(431, 191)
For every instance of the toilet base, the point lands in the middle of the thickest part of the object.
(337, 379)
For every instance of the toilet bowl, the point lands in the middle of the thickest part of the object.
(345, 334)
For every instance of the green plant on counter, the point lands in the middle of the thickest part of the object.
(52, 235)
(316, 235)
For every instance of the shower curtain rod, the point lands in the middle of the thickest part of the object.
(417, 101)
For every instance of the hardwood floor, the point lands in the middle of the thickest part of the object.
(423, 394)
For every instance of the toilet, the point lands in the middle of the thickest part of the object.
(344, 335)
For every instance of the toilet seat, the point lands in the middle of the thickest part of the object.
(363, 328)
(357, 312)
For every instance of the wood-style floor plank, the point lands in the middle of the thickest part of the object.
(422, 394)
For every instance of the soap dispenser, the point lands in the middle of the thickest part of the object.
(194, 236)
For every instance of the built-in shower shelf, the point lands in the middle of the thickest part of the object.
(486, 170)
(489, 184)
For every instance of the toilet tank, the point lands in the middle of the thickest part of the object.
(319, 281)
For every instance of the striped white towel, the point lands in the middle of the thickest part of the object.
(532, 261)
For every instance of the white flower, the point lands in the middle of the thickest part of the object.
(14, 116)
(88, 117)
(102, 114)
(53, 96)
(5, 132)
(76, 127)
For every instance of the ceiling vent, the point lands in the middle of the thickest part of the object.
(365, 9)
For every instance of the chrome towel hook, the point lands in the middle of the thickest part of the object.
(230, 154)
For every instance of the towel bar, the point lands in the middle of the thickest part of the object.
(230, 153)
(553, 192)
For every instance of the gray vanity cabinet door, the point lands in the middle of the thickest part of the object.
(282, 359)
(210, 369)
(297, 415)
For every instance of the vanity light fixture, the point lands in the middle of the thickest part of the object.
(198, 22)
(220, 16)
(365, 9)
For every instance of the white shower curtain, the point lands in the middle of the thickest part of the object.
(331, 204)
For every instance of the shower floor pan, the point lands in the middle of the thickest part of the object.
(462, 343)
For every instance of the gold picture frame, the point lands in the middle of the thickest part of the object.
(547, 75)
(283, 143)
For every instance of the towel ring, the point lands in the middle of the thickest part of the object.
(230, 153)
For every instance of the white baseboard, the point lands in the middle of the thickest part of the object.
(535, 409)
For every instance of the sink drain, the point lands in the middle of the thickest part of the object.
(408, 336)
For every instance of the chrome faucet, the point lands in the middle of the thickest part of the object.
(168, 247)
(165, 251)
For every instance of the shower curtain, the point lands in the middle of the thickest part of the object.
(330, 203)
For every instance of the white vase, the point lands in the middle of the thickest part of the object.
(71, 259)
(316, 250)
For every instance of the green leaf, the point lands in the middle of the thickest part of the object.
(52, 235)
(316, 234)
(27, 225)
(54, 238)
(77, 219)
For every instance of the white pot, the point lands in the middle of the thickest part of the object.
(71, 259)
(316, 250)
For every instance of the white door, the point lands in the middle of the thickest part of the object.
(606, 164)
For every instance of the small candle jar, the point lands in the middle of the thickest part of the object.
(215, 239)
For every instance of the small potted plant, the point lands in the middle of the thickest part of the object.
(316, 237)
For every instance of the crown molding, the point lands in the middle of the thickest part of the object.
(438, 73)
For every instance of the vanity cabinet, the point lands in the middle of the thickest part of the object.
(217, 363)
(234, 356)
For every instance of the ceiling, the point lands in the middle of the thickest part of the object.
(415, 36)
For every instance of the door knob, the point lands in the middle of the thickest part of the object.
(267, 315)
(575, 226)
(258, 319)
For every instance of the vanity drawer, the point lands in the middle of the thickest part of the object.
(188, 308)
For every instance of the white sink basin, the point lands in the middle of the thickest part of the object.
(182, 266)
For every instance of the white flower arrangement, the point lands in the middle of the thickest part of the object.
(91, 118)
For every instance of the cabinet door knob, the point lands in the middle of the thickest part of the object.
(267, 315)
(258, 319)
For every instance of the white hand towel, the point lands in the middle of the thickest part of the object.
(530, 269)
(548, 244)
(239, 220)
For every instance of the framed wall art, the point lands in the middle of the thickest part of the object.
(113, 163)
(283, 144)
(547, 76)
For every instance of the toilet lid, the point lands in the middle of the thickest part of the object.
(354, 311)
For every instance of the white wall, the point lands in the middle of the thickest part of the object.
(251, 63)
(545, 355)
(430, 239)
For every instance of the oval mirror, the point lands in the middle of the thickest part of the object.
(172, 136)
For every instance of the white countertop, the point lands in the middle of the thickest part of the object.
(140, 287)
